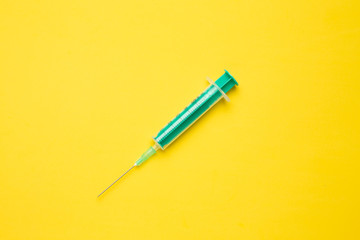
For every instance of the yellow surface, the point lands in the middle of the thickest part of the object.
(84, 86)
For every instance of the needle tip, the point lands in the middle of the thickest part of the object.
(116, 181)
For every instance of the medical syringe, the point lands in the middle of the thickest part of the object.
(187, 117)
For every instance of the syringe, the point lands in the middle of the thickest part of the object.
(187, 117)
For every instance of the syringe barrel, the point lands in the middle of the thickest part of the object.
(195, 110)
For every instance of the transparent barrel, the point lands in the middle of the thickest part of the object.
(188, 116)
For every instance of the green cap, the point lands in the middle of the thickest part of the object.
(226, 82)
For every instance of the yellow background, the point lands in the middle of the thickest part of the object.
(85, 84)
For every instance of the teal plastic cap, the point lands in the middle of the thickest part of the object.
(226, 82)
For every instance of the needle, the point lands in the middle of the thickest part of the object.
(116, 181)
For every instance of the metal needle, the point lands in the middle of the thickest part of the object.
(116, 181)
